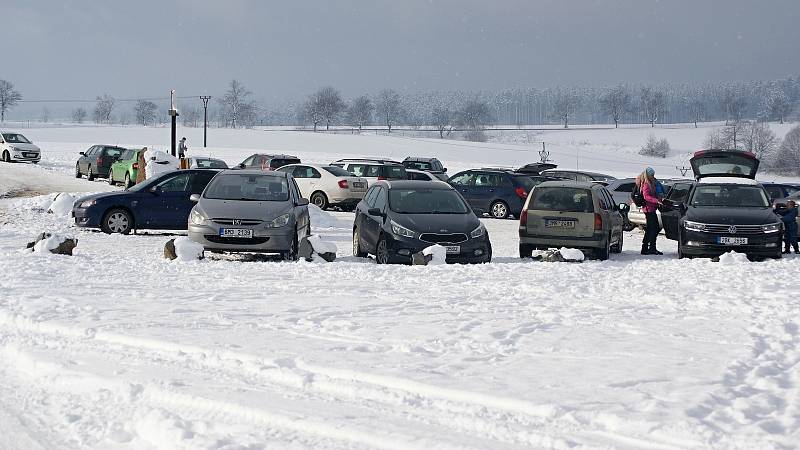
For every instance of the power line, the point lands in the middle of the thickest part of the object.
(116, 99)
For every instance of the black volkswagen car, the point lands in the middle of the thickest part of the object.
(399, 218)
(726, 209)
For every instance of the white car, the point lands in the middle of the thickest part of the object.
(326, 186)
(15, 147)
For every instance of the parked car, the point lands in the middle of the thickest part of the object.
(125, 168)
(421, 175)
(573, 214)
(326, 186)
(726, 209)
(778, 192)
(15, 147)
(206, 162)
(97, 160)
(251, 211)
(499, 193)
(159, 203)
(267, 162)
(578, 175)
(373, 169)
(399, 218)
(430, 165)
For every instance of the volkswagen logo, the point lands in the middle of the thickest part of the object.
(442, 231)
(732, 229)
(239, 222)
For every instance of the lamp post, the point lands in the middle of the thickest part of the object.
(205, 99)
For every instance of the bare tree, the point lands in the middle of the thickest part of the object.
(444, 120)
(696, 109)
(103, 108)
(360, 111)
(788, 157)
(777, 105)
(655, 147)
(235, 101)
(191, 116)
(565, 105)
(758, 139)
(733, 102)
(9, 97)
(45, 117)
(79, 115)
(388, 107)
(474, 116)
(616, 103)
(145, 112)
(328, 104)
(727, 138)
(312, 110)
(653, 104)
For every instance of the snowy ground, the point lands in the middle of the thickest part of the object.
(117, 347)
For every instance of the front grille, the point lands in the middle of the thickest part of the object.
(740, 229)
(436, 238)
(235, 241)
(242, 222)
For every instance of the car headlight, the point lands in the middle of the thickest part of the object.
(771, 228)
(279, 221)
(401, 230)
(88, 203)
(478, 232)
(197, 218)
(694, 226)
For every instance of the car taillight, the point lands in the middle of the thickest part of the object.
(598, 221)
(99, 161)
(381, 177)
(521, 193)
(343, 184)
(135, 166)
(523, 218)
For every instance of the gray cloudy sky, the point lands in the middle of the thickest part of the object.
(282, 49)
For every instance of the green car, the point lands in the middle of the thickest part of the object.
(125, 168)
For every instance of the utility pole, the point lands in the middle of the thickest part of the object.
(173, 112)
(205, 99)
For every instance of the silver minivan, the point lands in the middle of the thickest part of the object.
(573, 214)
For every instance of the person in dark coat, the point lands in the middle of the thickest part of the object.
(788, 216)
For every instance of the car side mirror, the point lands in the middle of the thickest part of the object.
(444, 169)
(194, 197)
(155, 190)
(82, 153)
(302, 202)
(624, 208)
(376, 212)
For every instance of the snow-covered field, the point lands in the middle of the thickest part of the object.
(117, 347)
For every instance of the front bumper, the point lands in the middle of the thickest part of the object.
(473, 251)
(272, 240)
(694, 243)
(595, 241)
(25, 156)
(86, 217)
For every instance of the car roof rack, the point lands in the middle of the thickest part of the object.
(377, 160)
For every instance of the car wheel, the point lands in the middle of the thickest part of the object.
(89, 174)
(617, 248)
(525, 251)
(382, 252)
(291, 254)
(77, 171)
(6, 156)
(110, 178)
(319, 199)
(499, 210)
(127, 183)
(357, 252)
(117, 221)
(604, 253)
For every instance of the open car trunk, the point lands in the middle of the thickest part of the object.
(724, 163)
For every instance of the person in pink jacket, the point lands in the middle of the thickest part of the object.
(646, 182)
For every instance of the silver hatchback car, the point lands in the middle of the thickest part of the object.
(250, 211)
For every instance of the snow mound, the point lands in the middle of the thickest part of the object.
(437, 253)
(321, 246)
(158, 162)
(732, 258)
(62, 204)
(571, 254)
(320, 218)
(188, 250)
(50, 243)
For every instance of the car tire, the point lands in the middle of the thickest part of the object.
(382, 251)
(525, 251)
(127, 182)
(117, 220)
(291, 254)
(617, 248)
(6, 156)
(319, 199)
(77, 171)
(499, 210)
(604, 253)
(35, 162)
(357, 252)
(110, 178)
(89, 174)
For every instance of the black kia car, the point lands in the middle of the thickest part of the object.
(399, 218)
(726, 209)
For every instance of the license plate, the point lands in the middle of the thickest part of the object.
(29, 155)
(732, 241)
(235, 232)
(559, 224)
(453, 249)
(358, 185)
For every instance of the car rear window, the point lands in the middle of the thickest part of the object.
(275, 163)
(562, 199)
(114, 152)
(208, 163)
(395, 172)
(419, 165)
(337, 171)
(127, 155)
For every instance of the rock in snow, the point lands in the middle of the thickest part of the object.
(184, 249)
(313, 245)
(559, 255)
(733, 258)
(62, 204)
(53, 243)
(435, 254)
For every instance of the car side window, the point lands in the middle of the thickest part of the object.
(369, 197)
(582, 177)
(285, 169)
(679, 192)
(461, 179)
(298, 171)
(200, 180)
(774, 192)
(487, 180)
(373, 171)
(381, 199)
(359, 170)
(295, 189)
(178, 183)
(249, 161)
(625, 187)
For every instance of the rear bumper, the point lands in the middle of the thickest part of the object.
(597, 240)
(346, 198)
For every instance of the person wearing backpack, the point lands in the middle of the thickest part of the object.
(645, 193)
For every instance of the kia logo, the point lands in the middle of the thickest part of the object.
(732, 230)
(239, 222)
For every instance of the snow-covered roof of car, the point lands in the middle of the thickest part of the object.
(728, 180)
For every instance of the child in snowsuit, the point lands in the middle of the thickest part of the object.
(788, 216)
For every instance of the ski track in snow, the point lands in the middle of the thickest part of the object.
(118, 348)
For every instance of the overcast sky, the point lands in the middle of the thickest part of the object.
(284, 49)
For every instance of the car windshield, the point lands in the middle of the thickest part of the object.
(208, 163)
(249, 187)
(601, 177)
(729, 195)
(562, 199)
(15, 138)
(426, 201)
(337, 171)
(126, 155)
(417, 165)
(396, 172)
